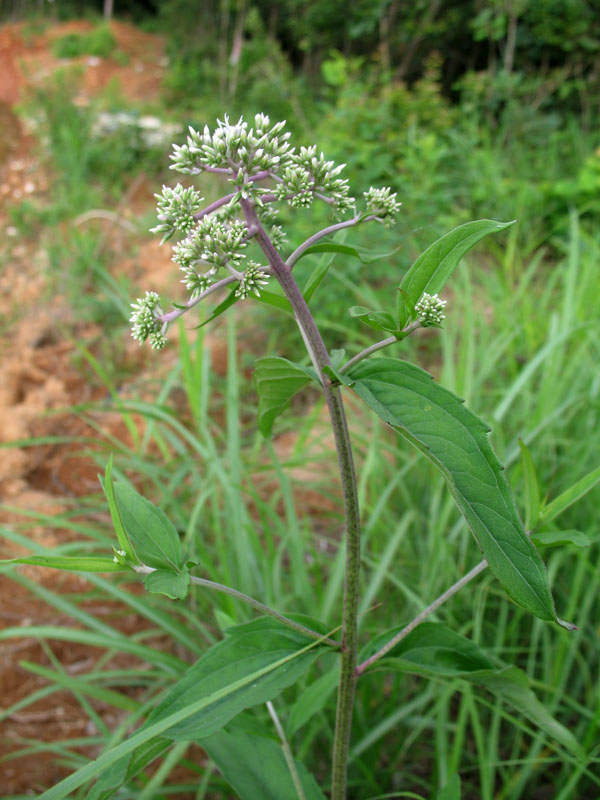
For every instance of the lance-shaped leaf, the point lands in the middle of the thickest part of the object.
(363, 254)
(153, 535)
(380, 320)
(277, 380)
(433, 650)
(451, 789)
(248, 649)
(230, 300)
(72, 563)
(252, 665)
(274, 300)
(127, 768)
(533, 502)
(570, 496)
(312, 700)
(435, 265)
(255, 768)
(555, 538)
(437, 422)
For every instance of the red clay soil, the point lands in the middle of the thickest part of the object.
(38, 376)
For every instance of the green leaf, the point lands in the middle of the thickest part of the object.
(154, 537)
(277, 380)
(124, 543)
(554, 538)
(436, 422)
(338, 357)
(256, 769)
(174, 584)
(379, 320)
(248, 649)
(433, 650)
(230, 300)
(451, 789)
(512, 686)
(532, 490)
(572, 495)
(312, 700)
(336, 376)
(320, 271)
(432, 268)
(251, 666)
(361, 253)
(127, 768)
(72, 563)
(274, 300)
(316, 278)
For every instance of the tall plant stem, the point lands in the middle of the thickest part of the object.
(320, 356)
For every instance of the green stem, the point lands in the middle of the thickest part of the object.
(320, 356)
(287, 752)
(378, 346)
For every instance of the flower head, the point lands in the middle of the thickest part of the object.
(430, 310)
(382, 204)
(175, 210)
(253, 278)
(145, 322)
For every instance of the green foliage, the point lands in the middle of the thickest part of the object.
(72, 563)
(518, 345)
(455, 440)
(99, 42)
(252, 665)
(401, 131)
(434, 650)
(155, 540)
(433, 268)
(277, 381)
(255, 767)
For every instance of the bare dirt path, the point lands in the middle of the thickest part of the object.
(37, 376)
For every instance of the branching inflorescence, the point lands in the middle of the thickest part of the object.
(264, 170)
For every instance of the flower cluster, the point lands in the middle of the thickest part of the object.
(382, 204)
(267, 215)
(430, 310)
(309, 175)
(233, 147)
(145, 322)
(264, 171)
(253, 278)
(216, 242)
(175, 210)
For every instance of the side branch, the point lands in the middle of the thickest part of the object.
(456, 587)
(373, 348)
(331, 229)
(249, 601)
(170, 316)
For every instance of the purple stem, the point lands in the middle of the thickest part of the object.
(421, 617)
(213, 206)
(349, 223)
(177, 312)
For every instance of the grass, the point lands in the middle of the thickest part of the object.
(415, 546)
(519, 344)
